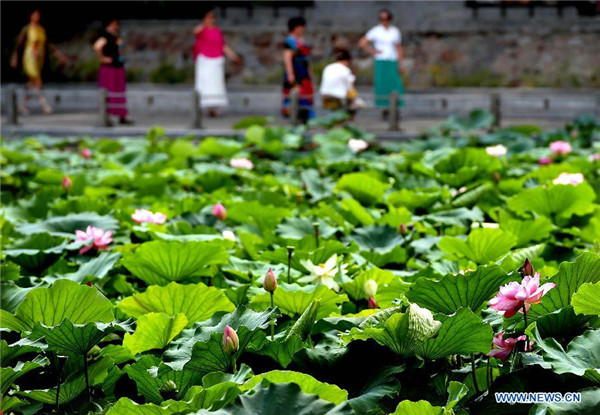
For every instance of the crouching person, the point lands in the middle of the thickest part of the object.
(337, 85)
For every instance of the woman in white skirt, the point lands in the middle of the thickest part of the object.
(209, 52)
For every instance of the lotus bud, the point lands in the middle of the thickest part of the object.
(168, 390)
(403, 229)
(304, 186)
(229, 235)
(231, 342)
(270, 282)
(219, 211)
(86, 153)
(496, 176)
(528, 269)
(370, 288)
(372, 303)
(299, 197)
(66, 183)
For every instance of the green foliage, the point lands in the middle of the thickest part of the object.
(414, 239)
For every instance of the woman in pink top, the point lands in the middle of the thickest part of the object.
(209, 52)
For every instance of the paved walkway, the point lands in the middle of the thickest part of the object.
(77, 124)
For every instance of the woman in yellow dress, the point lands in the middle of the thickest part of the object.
(33, 39)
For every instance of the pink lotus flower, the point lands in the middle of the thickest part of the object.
(357, 145)
(371, 303)
(595, 157)
(231, 342)
(66, 183)
(505, 347)
(569, 179)
(270, 281)
(496, 151)
(100, 239)
(241, 163)
(220, 212)
(143, 215)
(513, 296)
(86, 153)
(544, 161)
(560, 147)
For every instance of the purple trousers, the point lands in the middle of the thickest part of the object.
(113, 79)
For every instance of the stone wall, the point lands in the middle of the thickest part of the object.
(445, 45)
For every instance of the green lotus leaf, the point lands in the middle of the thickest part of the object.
(318, 187)
(582, 357)
(150, 375)
(356, 287)
(97, 267)
(382, 385)
(403, 333)
(461, 333)
(293, 299)
(363, 187)
(587, 299)
(36, 252)
(590, 401)
(180, 350)
(196, 301)
(453, 217)
(557, 203)
(481, 246)
(378, 239)
(161, 262)
(278, 398)
(527, 231)
(281, 350)
(73, 386)
(67, 225)
(570, 276)
(307, 383)
(65, 299)
(74, 338)
(154, 331)
(10, 375)
(298, 228)
(417, 408)
(16, 349)
(414, 199)
(471, 289)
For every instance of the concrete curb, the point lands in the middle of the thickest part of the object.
(116, 132)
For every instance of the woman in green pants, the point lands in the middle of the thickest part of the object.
(384, 43)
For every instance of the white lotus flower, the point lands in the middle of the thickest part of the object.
(228, 235)
(572, 179)
(357, 145)
(370, 287)
(496, 151)
(241, 163)
(323, 274)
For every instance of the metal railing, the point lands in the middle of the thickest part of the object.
(501, 104)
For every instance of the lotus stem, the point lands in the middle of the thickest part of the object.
(60, 363)
(87, 379)
(234, 363)
(272, 320)
(290, 251)
(473, 373)
(488, 373)
(316, 226)
(526, 336)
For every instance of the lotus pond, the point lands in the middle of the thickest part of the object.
(270, 274)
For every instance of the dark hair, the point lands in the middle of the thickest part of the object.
(206, 11)
(386, 11)
(342, 55)
(294, 22)
(108, 20)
